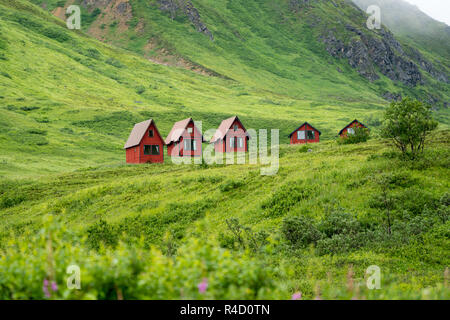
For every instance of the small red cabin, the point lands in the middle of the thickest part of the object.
(231, 136)
(184, 139)
(350, 128)
(306, 133)
(145, 144)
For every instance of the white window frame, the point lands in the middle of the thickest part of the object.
(240, 142)
(189, 130)
(301, 133)
(232, 142)
(350, 131)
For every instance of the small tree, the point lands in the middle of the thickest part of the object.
(407, 123)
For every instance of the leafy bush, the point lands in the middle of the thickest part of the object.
(35, 268)
(140, 89)
(284, 199)
(240, 236)
(102, 233)
(300, 231)
(407, 123)
(360, 135)
(230, 185)
(339, 222)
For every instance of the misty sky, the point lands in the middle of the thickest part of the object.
(437, 9)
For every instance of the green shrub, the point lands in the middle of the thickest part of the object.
(300, 231)
(231, 185)
(360, 135)
(287, 197)
(35, 268)
(102, 233)
(339, 222)
(407, 123)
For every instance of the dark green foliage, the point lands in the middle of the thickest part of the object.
(115, 63)
(140, 89)
(102, 233)
(300, 231)
(231, 185)
(361, 135)
(29, 108)
(242, 237)
(286, 198)
(116, 123)
(407, 124)
(174, 219)
(339, 222)
(56, 34)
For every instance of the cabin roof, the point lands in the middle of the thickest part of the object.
(340, 132)
(224, 127)
(138, 133)
(305, 123)
(178, 130)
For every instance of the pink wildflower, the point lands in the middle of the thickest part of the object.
(202, 286)
(45, 288)
(297, 296)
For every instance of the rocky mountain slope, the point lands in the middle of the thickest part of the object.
(287, 42)
(412, 25)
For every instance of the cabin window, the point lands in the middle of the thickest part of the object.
(240, 142)
(301, 135)
(236, 127)
(351, 131)
(189, 130)
(150, 133)
(190, 144)
(151, 150)
(311, 135)
(232, 142)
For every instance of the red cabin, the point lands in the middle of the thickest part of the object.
(184, 139)
(350, 128)
(231, 136)
(145, 144)
(306, 133)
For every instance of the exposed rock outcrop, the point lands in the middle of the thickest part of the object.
(368, 52)
(175, 7)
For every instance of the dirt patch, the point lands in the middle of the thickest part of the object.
(160, 55)
(60, 12)
(115, 12)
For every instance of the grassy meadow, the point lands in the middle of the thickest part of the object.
(156, 231)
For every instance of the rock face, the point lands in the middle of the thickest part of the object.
(185, 7)
(366, 53)
(371, 52)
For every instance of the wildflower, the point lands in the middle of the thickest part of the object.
(54, 286)
(202, 286)
(297, 296)
(45, 289)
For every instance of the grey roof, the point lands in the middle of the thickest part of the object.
(138, 133)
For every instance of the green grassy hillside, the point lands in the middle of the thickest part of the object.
(271, 45)
(68, 101)
(189, 210)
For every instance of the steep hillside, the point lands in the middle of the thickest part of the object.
(313, 228)
(159, 231)
(307, 49)
(68, 101)
(414, 26)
